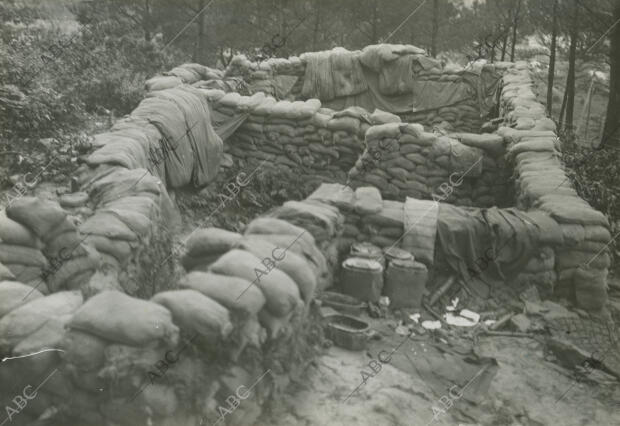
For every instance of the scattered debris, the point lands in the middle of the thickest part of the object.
(521, 323)
(431, 325)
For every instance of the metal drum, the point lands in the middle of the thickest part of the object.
(368, 251)
(362, 278)
(395, 253)
(405, 282)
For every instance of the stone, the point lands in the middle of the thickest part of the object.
(521, 323)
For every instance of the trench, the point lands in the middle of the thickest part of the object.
(181, 201)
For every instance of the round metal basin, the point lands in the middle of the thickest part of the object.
(347, 332)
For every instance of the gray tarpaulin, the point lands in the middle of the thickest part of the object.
(505, 238)
(394, 87)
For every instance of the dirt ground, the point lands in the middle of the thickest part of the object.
(524, 391)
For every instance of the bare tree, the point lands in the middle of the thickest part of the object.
(551, 74)
(611, 135)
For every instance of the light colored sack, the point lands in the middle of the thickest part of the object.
(114, 316)
(194, 311)
(287, 261)
(27, 319)
(225, 290)
(12, 232)
(280, 290)
(211, 240)
(83, 350)
(14, 294)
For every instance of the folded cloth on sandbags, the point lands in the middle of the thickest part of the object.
(504, 238)
(420, 228)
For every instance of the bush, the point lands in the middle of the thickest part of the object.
(54, 75)
(595, 174)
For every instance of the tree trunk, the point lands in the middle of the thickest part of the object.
(563, 107)
(375, 26)
(514, 31)
(611, 134)
(315, 31)
(570, 78)
(551, 74)
(435, 28)
(200, 45)
(504, 44)
(146, 20)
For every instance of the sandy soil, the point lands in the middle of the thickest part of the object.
(525, 391)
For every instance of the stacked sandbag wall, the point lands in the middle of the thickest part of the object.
(183, 74)
(582, 257)
(412, 225)
(130, 344)
(403, 160)
(42, 246)
(173, 359)
(295, 136)
(400, 79)
(243, 312)
(468, 112)
(167, 142)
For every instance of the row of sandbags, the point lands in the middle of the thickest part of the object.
(170, 134)
(583, 259)
(539, 271)
(106, 349)
(335, 73)
(41, 246)
(268, 243)
(404, 160)
(464, 116)
(114, 338)
(367, 217)
(411, 225)
(183, 74)
(132, 210)
(293, 134)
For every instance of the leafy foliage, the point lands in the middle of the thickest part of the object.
(595, 175)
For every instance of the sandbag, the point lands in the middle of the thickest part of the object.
(368, 200)
(572, 210)
(139, 223)
(83, 350)
(590, 288)
(14, 294)
(287, 261)
(39, 215)
(12, 232)
(48, 336)
(211, 240)
(317, 259)
(225, 290)
(269, 225)
(200, 262)
(280, 290)
(5, 273)
(73, 272)
(117, 317)
(109, 226)
(25, 320)
(194, 311)
(21, 255)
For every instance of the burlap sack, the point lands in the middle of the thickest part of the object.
(225, 290)
(195, 312)
(280, 290)
(120, 318)
(14, 294)
(27, 319)
(287, 261)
